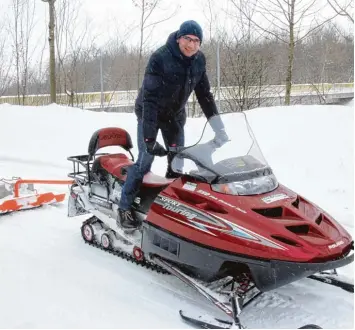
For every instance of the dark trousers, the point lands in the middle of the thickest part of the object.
(142, 166)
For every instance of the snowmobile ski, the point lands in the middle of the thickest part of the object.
(232, 311)
(311, 326)
(208, 322)
(333, 281)
(205, 321)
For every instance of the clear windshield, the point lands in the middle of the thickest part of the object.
(232, 162)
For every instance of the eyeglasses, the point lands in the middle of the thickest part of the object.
(195, 41)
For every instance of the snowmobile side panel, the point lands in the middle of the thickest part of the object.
(284, 272)
(209, 264)
(145, 198)
(201, 261)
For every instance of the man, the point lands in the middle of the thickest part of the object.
(173, 72)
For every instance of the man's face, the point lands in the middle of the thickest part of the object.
(189, 45)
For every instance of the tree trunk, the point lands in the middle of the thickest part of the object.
(17, 50)
(52, 51)
(140, 47)
(291, 50)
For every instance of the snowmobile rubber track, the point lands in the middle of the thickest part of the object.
(124, 255)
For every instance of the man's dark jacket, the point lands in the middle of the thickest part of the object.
(169, 79)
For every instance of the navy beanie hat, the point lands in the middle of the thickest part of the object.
(190, 27)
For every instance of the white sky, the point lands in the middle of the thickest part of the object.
(122, 13)
(106, 14)
(114, 18)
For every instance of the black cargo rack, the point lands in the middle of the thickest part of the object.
(82, 165)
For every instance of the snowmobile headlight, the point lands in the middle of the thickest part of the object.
(255, 186)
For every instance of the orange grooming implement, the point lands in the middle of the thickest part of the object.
(17, 202)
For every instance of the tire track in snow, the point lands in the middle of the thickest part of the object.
(271, 310)
(32, 162)
(302, 302)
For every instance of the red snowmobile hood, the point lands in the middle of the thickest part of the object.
(279, 225)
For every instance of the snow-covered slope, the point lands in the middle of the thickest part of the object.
(50, 278)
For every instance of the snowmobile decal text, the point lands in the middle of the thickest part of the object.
(190, 186)
(199, 219)
(274, 198)
(333, 246)
(100, 202)
(207, 194)
(174, 206)
(111, 136)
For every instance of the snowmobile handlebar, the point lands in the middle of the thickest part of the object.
(174, 150)
(212, 145)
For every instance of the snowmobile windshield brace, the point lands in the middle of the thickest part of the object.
(236, 166)
(180, 153)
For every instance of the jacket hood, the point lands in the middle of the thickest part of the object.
(173, 46)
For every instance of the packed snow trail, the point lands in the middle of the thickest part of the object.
(50, 278)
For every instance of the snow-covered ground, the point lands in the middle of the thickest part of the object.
(50, 279)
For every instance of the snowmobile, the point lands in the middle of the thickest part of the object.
(225, 226)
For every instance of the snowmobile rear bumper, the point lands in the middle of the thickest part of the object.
(209, 264)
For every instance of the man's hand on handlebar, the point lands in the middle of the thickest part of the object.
(155, 148)
(220, 138)
(175, 149)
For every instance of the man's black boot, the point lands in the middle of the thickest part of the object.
(170, 174)
(127, 219)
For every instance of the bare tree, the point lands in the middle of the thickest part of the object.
(243, 65)
(21, 28)
(51, 27)
(75, 47)
(325, 57)
(119, 70)
(210, 15)
(39, 81)
(244, 75)
(343, 8)
(285, 20)
(147, 8)
(5, 60)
